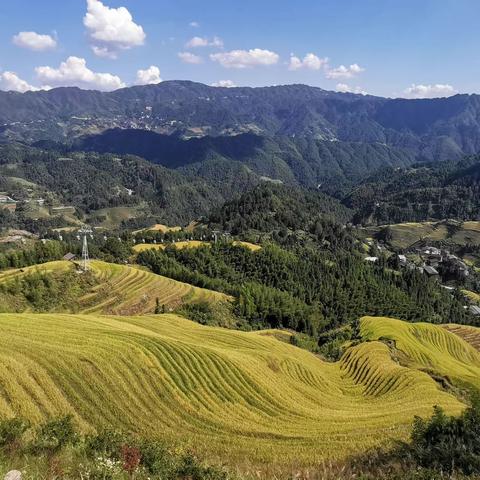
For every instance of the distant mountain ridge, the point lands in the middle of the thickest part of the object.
(433, 129)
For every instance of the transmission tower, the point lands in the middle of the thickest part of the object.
(84, 231)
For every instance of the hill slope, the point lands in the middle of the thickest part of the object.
(124, 290)
(429, 348)
(246, 397)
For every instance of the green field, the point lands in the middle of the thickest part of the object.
(126, 290)
(241, 398)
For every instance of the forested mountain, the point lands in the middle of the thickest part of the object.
(307, 161)
(423, 129)
(421, 192)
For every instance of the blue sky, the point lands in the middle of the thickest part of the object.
(382, 47)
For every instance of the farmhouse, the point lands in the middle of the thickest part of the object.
(430, 270)
(474, 310)
(7, 203)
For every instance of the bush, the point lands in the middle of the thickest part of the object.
(54, 435)
(448, 443)
(106, 444)
(11, 432)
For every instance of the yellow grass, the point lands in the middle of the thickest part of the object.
(159, 227)
(126, 290)
(474, 297)
(244, 398)
(251, 246)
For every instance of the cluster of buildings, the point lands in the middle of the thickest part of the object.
(434, 257)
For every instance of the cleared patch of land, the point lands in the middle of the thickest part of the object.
(469, 334)
(244, 398)
(126, 290)
(159, 227)
(405, 235)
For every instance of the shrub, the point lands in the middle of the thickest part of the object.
(11, 432)
(448, 443)
(54, 435)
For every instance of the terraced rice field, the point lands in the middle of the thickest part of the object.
(429, 348)
(127, 290)
(190, 244)
(405, 235)
(161, 246)
(243, 398)
(469, 334)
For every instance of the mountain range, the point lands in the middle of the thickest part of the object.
(219, 142)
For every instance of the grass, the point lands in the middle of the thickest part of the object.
(126, 290)
(159, 227)
(473, 296)
(236, 397)
(469, 334)
(428, 348)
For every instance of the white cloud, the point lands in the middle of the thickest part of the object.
(196, 42)
(149, 76)
(74, 72)
(344, 88)
(310, 61)
(10, 81)
(111, 29)
(224, 84)
(430, 91)
(345, 72)
(194, 24)
(187, 57)
(34, 41)
(245, 58)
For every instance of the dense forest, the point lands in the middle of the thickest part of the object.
(436, 191)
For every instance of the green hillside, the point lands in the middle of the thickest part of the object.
(244, 398)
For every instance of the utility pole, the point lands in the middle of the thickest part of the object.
(84, 231)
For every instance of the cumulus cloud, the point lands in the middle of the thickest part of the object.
(245, 58)
(194, 24)
(344, 88)
(224, 84)
(430, 91)
(187, 57)
(111, 29)
(10, 81)
(310, 62)
(34, 41)
(345, 72)
(74, 72)
(197, 42)
(149, 76)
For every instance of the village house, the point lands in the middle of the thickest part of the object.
(7, 203)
